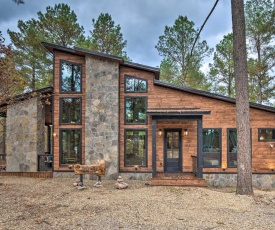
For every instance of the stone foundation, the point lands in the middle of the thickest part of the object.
(266, 181)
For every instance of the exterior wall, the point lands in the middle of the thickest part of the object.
(266, 181)
(102, 116)
(223, 116)
(25, 135)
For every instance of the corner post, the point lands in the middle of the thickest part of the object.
(200, 140)
(154, 158)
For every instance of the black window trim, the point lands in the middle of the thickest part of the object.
(146, 146)
(60, 110)
(60, 76)
(146, 105)
(60, 144)
(139, 78)
(266, 140)
(220, 136)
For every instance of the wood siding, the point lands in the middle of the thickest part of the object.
(223, 116)
(59, 56)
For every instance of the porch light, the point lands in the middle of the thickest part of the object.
(54, 134)
(160, 132)
(185, 132)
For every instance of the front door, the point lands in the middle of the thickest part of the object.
(172, 148)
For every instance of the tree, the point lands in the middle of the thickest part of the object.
(222, 70)
(244, 176)
(175, 46)
(260, 32)
(18, 2)
(58, 25)
(106, 37)
(31, 58)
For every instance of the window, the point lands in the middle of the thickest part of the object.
(135, 148)
(70, 110)
(70, 77)
(135, 110)
(70, 146)
(133, 84)
(211, 148)
(232, 148)
(266, 134)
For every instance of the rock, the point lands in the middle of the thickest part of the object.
(120, 184)
(98, 184)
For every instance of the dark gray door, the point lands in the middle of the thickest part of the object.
(172, 155)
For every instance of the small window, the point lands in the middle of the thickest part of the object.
(70, 77)
(267, 134)
(133, 84)
(70, 110)
(232, 148)
(70, 146)
(135, 148)
(211, 148)
(135, 110)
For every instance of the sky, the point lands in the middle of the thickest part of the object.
(141, 21)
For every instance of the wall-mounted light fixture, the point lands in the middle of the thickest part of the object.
(185, 132)
(160, 132)
(54, 134)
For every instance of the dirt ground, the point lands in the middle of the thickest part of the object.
(30, 203)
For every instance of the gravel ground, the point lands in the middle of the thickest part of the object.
(30, 203)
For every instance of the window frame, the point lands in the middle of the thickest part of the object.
(138, 78)
(220, 153)
(60, 144)
(60, 77)
(125, 115)
(265, 140)
(146, 146)
(61, 109)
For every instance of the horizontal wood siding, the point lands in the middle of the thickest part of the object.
(76, 59)
(223, 116)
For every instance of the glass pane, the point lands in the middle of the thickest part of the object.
(135, 85)
(211, 148)
(70, 110)
(267, 134)
(232, 148)
(135, 148)
(70, 77)
(173, 145)
(70, 146)
(135, 110)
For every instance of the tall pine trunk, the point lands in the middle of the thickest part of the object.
(244, 177)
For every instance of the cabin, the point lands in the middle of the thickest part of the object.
(104, 108)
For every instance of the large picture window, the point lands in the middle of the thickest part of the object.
(135, 148)
(133, 84)
(266, 134)
(135, 110)
(70, 81)
(70, 146)
(232, 148)
(211, 148)
(70, 110)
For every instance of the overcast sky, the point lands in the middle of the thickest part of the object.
(141, 21)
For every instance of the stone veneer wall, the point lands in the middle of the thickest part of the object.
(225, 180)
(24, 135)
(102, 114)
